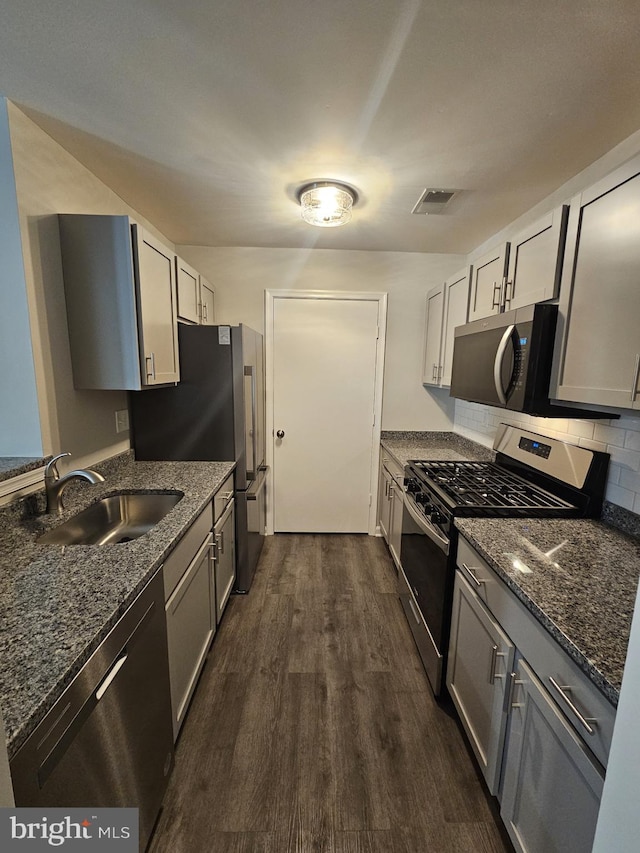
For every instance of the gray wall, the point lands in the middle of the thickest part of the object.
(50, 181)
(241, 275)
(20, 419)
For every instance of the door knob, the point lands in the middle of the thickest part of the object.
(280, 433)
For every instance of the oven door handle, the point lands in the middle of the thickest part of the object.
(441, 541)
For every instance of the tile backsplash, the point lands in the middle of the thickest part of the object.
(620, 438)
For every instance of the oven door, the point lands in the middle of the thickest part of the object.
(425, 588)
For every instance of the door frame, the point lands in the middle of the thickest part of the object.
(271, 296)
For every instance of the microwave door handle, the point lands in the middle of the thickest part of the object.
(497, 364)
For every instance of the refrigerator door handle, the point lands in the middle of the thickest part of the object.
(249, 370)
(258, 484)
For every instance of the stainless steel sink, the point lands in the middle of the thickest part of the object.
(114, 519)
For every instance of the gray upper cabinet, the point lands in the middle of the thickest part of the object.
(446, 308)
(433, 336)
(456, 304)
(120, 291)
(598, 336)
(188, 284)
(195, 296)
(535, 261)
(488, 283)
(206, 303)
(522, 272)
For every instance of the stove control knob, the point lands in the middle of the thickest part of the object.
(412, 486)
(437, 517)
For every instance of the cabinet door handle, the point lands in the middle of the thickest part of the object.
(151, 358)
(508, 292)
(636, 375)
(434, 372)
(497, 288)
(220, 542)
(508, 703)
(477, 581)
(561, 691)
(495, 654)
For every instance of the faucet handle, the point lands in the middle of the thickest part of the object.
(51, 471)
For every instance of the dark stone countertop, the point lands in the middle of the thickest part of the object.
(435, 446)
(581, 586)
(58, 603)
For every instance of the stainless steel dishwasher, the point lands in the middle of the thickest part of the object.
(108, 740)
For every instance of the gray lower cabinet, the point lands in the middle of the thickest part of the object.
(390, 490)
(225, 557)
(190, 611)
(384, 504)
(540, 729)
(552, 784)
(480, 660)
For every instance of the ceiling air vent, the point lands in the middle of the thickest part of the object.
(433, 201)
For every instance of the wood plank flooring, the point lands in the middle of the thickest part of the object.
(313, 728)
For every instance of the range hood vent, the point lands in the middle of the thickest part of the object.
(433, 201)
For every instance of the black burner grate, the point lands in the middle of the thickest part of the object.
(483, 484)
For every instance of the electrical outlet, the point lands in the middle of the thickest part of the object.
(122, 420)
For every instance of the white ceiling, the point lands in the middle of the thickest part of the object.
(207, 115)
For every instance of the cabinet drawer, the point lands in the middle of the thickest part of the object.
(183, 553)
(224, 536)
(548, 660)
(394, 468)
(190, 628)
(222, 497)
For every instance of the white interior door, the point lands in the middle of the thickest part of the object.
(324, 372)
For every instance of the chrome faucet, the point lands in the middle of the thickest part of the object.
(54, 484)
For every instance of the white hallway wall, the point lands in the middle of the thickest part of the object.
(241, 275)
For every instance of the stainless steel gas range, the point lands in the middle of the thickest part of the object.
(532, 476)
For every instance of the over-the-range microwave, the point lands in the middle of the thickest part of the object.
(505, 361)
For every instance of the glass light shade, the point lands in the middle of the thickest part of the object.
(326, 206)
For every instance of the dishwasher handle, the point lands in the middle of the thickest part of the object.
(111, 675)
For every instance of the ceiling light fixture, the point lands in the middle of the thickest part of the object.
(326, 203)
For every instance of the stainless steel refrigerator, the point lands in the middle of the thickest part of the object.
(215, 412)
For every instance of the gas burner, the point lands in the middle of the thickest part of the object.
(485, 486)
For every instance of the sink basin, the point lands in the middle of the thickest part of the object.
(114, 519)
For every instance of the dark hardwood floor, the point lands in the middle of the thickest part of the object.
(313, 728)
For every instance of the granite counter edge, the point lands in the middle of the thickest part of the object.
(608, 690)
